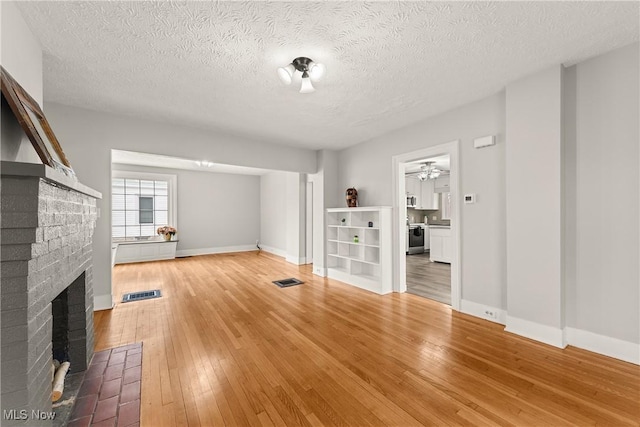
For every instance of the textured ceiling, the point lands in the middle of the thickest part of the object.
(389, 64)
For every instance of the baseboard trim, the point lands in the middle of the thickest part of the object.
(212, 251)
(295, 260)
(320, 271)
(483, 311)
(102, 302)
(536, 331)
(275, 251)
(602, 344)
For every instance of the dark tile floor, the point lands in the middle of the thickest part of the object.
(110, 392)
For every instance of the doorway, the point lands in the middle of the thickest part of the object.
(428, 255)
(400, 213)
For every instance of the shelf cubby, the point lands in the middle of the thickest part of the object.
(367, 262)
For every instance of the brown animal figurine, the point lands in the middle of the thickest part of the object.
(352, 198)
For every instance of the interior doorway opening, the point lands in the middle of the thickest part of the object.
(428, 247)
(447, 240)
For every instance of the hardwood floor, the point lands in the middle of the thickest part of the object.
(429, 279)
(224, 346)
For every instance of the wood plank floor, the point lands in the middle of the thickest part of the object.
(224, 346)
(429, 279)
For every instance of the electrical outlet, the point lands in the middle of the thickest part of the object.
(491, 314)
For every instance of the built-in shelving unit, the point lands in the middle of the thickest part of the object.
(359, 247)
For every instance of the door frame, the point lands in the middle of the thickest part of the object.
(400, 214)
(309, 223)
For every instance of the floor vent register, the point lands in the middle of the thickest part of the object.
(285, 283)
(138, 296)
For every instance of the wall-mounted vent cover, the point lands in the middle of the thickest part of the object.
(285, 283)
(137, 296)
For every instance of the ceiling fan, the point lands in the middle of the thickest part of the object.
(428, 171)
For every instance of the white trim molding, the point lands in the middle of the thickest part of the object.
(212, 251)
(278, 252)
(602, 344)
(536, 331)
(492, 314)
(295, 260)
(319, 271)
(102, 302)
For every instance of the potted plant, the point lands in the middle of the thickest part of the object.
(167, 232)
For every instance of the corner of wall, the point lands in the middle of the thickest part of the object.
(103, 302)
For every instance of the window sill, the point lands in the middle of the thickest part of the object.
(134, 241)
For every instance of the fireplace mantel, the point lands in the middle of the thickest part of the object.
(47, 173)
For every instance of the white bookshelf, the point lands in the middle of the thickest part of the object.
(365, 263)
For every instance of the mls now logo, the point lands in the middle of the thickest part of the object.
(23, 414)
(14, 414)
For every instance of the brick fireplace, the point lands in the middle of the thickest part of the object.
(47, 226)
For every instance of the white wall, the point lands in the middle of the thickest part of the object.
(87, 138)
(534, 206)
(216, 212)
(21, 56)
(273, 218)
(296, 216)
(603, 294)
(368, 167)
(283, 215)
(325, 195)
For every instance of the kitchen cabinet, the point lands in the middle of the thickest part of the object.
(440, 244)
(442, 184)
(358, 254)
(412, 187)
(428, 198)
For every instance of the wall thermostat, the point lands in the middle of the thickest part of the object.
(469, 198)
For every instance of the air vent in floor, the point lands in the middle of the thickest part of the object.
(285, 283)
(137, 296)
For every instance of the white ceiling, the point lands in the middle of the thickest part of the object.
(213, 64)
(156, 160)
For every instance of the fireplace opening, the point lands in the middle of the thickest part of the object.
(60, 333)
(69, 344)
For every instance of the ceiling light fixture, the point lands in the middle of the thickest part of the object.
(428, 171)
(310, 71)
(204, 163)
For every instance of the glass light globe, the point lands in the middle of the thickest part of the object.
(286, 73)
(316, 71)
(306, 86)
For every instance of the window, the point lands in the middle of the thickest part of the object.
(146, 210)
(140, 203)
